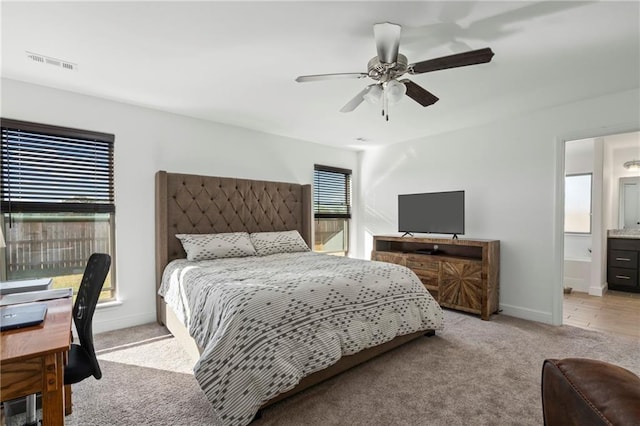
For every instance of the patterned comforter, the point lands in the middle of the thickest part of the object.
(266, 322)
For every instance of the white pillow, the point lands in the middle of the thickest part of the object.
(216, 246)
(278, 242)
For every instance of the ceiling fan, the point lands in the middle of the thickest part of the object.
(389, 65)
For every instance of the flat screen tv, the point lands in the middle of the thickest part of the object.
(433, 212)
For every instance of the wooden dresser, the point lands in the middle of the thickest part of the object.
(460, 274)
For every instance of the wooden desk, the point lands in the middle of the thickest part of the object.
(32, 360)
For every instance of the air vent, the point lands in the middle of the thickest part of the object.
(36, 57)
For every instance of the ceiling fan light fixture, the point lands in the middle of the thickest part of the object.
(374, 95)
(632, 165)
(395, 91)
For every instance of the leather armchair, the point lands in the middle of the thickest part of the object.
(577, 391)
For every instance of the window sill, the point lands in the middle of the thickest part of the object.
(109, 304)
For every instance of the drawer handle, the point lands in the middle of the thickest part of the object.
(622, 277)
(623, 259)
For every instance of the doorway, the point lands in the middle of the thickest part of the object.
(584, 251)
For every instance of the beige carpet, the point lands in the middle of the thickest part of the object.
(474, 372)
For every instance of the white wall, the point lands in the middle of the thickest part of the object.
(147, 141)
(512, 172)
(579, 156)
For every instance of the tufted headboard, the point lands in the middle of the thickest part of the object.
(193, 204)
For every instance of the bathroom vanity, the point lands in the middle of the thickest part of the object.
(623, 257)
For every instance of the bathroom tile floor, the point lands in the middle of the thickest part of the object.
(616, 312)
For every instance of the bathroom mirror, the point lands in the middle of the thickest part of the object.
(629, 210)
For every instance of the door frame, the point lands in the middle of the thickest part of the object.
(558, 222)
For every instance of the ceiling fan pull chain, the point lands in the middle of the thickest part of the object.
(385, 101)
(383, 104)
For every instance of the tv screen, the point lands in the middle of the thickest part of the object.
(434, 212)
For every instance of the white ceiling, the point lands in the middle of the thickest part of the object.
(235, 62)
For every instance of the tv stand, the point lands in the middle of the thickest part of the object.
(455, 237)
(459, 274)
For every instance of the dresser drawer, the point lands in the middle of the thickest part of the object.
(623, 259)
(623, 277)
(426, 268)
(422, 262)
(381, 256)
(428, 278)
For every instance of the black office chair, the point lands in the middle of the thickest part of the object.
(82, 358)
(82, 361)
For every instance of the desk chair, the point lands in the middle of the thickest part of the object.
(82, 361)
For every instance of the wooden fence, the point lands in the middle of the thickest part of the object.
(53, 247)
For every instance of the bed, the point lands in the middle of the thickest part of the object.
(193, 204)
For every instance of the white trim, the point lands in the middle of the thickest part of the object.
(526, 313)
(578, 259)
(558, 236)
(109, 304)
(598, 290)
(100, 326)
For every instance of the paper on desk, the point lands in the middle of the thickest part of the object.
(34, 296)
(20, 286)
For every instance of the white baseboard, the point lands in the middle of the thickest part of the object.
(100, 326)
(526, 313)
(598, 290)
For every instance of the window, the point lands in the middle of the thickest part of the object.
(57, 202)
(577, 203)
(332, 209)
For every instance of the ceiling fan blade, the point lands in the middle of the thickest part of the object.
(338, 76)
(357, 100)
(473, 57)
(387, 41)
(419, 94)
